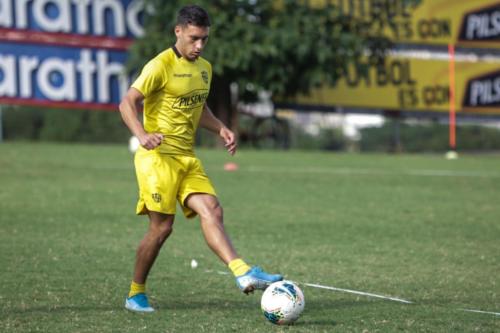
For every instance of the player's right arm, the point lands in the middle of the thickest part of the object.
(129, 109)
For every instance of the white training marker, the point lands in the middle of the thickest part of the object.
(479, 311)
(358, 293)
(218, 272)
(334, 288)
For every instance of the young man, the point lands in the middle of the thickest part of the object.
(174, 87)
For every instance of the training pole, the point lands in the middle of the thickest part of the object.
(453, 138)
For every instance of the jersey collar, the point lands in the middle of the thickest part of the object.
(177, 53)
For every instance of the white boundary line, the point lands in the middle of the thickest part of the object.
(335, 289)
(358, 293)
(479, 311)
(218, 272)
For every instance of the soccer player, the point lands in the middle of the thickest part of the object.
(173, 88)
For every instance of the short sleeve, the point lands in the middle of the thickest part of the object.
(151, 79)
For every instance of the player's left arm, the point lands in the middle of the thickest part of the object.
(213, 124)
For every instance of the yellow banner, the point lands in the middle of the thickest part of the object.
(472, 23)
(413, 84)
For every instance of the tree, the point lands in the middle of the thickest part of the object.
(283, 46)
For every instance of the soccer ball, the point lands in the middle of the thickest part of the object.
(282, 302)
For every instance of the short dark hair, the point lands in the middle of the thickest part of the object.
(194, 15)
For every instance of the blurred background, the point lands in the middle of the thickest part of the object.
(338, 75)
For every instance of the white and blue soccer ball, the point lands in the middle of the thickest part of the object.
(282, 302)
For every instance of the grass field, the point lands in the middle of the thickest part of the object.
(416, 227)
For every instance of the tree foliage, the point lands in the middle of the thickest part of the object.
(283, 46)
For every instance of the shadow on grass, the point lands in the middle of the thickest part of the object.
(315, 311)
(163, 304)
(196, 304)
(63, 308)
(320, 322)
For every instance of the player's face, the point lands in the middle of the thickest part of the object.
(191, 40)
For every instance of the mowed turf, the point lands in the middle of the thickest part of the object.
(417, 227)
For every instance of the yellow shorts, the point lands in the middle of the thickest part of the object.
(164, 179)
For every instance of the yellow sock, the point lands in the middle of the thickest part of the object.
(238, 267)
(136, 288)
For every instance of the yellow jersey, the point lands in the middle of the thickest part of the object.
(175, 90)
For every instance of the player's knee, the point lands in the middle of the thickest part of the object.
(161, 231)
(212, 211)
(164, 233)
(218, 213)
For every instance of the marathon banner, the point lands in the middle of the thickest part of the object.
(61, 76)
(412, 84)
(67, 53)
(470, 23)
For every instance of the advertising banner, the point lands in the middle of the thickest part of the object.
(413, 84)
(66, 53)
(470, 23)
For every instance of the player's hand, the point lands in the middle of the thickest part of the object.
(229, 140)
(151, 140)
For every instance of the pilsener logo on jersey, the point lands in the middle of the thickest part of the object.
(192, 100)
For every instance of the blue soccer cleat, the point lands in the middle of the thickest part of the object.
(138, 303)
(256, 278)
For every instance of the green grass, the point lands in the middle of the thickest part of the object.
(418, 227)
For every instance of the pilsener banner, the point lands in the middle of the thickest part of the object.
(66, 53)
(472, 23)
(413, 84)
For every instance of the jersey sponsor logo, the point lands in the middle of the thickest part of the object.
(483, 91)
(183, 75)
(204, 76)
(191, 100)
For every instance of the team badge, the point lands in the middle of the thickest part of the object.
(204, 76)
(156, 197)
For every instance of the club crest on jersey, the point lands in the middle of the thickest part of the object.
(156, 197)
(191, 100)
(204, 76)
